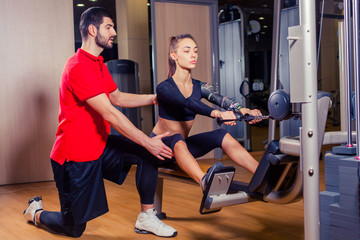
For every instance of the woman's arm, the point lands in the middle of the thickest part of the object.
(209, 92)
(167, 94)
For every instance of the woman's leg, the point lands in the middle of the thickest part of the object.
(200, 144)
(187, 162)
(183, 156)
(196, 146)
(185, 151)
(238, 153)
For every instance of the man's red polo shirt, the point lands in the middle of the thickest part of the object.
(82, 132)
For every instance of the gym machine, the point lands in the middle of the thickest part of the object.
(279, 176)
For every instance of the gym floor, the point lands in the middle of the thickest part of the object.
(256, 220)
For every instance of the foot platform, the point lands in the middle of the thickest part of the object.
(219, 184)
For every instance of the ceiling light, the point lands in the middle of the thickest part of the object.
(261, 18)
(93, 0)
(265, 26)
(80, 5)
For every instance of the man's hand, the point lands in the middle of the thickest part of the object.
(157, 148)
(155, 102)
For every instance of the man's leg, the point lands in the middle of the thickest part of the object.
(82, 198)
(50, 220)
(146, 179)
(119, 155)
(53, 221)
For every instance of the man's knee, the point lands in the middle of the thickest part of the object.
(76, 231)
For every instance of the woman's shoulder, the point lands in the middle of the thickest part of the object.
(166, 83)
(196, 83)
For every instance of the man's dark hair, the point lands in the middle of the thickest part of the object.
(94, 16)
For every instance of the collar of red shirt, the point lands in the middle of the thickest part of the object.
(92, 57)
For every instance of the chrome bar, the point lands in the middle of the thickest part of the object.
(309, 153)
(348, 68)
(355, 10)
(274, 61)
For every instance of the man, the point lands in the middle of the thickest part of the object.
(84, 153)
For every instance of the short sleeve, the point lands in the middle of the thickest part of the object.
(110, 81)
(84, 82)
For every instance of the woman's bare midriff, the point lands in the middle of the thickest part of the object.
(173, 127)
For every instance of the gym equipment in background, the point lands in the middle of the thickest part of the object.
(126, 76)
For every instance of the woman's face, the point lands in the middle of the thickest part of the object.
(186, 54)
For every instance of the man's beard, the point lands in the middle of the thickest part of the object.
(102, 42)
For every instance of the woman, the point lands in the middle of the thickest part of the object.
(179, 101)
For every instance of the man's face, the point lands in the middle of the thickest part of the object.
(105, 34)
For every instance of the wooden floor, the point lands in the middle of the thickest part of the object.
(255, 220)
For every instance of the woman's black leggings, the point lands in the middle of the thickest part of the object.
(198, 144)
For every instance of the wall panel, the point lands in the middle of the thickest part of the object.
(37, 37)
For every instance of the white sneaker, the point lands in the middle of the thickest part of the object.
(148, 222)
(35, 205)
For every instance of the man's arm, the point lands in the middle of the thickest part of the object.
(129, 100)
(123, 125)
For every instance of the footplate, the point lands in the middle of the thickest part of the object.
(220, 181)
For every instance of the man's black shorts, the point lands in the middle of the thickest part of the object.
(81, 185)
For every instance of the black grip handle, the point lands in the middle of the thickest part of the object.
(241, 117)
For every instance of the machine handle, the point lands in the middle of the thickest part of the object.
(241, 117)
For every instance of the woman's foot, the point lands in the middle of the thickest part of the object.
(206, 178)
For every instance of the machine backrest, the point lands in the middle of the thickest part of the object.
(323, 104)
